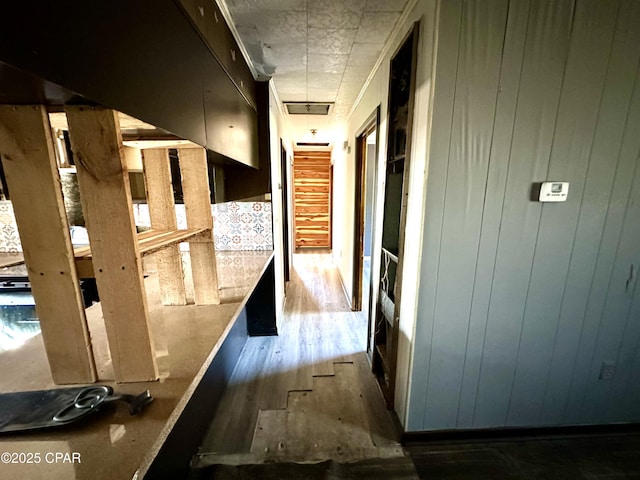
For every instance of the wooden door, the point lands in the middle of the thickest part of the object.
(312, 199)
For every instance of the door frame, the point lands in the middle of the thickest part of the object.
(285, 214)
(372, 123)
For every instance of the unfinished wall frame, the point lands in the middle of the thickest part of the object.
(197, 202)
(104, 191)
(31, 171)
(157, 174)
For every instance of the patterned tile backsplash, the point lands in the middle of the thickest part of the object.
(9, 238)
(236, 225)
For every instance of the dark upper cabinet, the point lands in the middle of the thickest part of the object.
(146, 58)
(208, 19)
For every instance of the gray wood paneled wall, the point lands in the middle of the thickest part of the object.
(520, 302)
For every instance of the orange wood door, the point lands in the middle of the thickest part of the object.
(312, 199)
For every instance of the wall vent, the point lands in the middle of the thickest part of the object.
(312, 144)
(308, 108)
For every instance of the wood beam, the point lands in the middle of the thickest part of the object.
(197, 202)
(106, 200)
(32, 175)
(157, 174)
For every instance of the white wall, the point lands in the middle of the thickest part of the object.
(521, 302)
(277, 126)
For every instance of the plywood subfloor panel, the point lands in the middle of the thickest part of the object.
(310, 388)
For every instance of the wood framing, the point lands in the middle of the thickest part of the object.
(31, 171)
(157, 174)
(104, 192)
(197, 202)
(149, 242)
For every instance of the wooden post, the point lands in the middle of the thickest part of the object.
(197, 202)
(157, 173)
(32, 175)
(105, 194)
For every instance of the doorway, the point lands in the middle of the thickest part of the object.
(398, 157)
(365, 180)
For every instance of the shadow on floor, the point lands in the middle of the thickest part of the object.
(610, 457)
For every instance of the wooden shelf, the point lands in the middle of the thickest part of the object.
(149, 242)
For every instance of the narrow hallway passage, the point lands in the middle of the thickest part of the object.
(307, 395)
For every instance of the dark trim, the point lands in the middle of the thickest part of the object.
(286, 244)
(261, 306)
(174, 458)
(174, 455)
(395, 420)
(372, 123)
(511, 433)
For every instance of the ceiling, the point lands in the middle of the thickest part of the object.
(315, 51)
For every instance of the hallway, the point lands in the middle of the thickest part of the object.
(306, 395)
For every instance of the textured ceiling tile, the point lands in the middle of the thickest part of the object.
(336, 41)
(283, 82)
(321, 94)
(256, 7)
(349, 88)
(319, 63)
(341, 109)
(239, 7)
(335, 13)
(341, 20)
(297, 5)
(364, 55)
(286, 58)
(287, 96)
(366, 49)
(337, 6)
(355, 74)
(330, 81)
(299, 78)
(276, 27)
(376, 27)
(385, 5)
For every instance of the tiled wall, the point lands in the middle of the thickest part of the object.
(236, 225)
(242, 226)
(9, 238)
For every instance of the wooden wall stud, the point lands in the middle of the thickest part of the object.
(197, 201)
(32, 175)
(105, 194)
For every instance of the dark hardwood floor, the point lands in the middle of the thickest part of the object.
(588, 457)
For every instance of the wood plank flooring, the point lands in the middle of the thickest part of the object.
(579, 457)
(308, 394)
